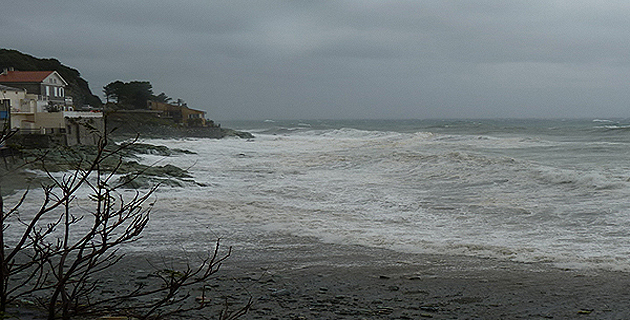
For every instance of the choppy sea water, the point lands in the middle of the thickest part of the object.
(522, 190)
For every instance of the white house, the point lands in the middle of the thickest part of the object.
(48, 86)
(37, 104)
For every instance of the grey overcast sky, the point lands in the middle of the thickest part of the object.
(348, 59)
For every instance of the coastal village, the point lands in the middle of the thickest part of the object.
(36, 109)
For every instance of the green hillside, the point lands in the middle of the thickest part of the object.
(77, 87)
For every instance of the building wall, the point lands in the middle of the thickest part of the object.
(194, 117)
(84, 131)
(168, 110)
(22, 109)
(50, 120)
(59, 129)
(179, 114)
(15, 96)
(23, 121)
(53, 88)
(33, 103)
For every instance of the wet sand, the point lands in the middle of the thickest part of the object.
(302, 278)
(311, 280)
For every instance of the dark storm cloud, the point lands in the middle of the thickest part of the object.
(346, 58)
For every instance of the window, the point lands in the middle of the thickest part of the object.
(47, 91)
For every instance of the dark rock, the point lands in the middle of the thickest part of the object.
(281, 293)
(430, 308)
(416, 291)
(144, 148)
(129, 125)
(134, 174)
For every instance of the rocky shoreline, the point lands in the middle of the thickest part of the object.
(20, 170)
(130, 125)
(25, 170)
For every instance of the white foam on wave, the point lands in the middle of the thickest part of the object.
(412, 192)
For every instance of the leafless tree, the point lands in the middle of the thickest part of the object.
(59, 253)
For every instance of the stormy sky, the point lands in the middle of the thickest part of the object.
(345, 59)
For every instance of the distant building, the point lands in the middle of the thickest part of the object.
(48, 86)
(179, 114)
(34, 102)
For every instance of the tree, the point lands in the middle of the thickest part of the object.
(138, 93)
(113, 91)
(162, 97)
(181, 103)
(129, 95)
(58, 253)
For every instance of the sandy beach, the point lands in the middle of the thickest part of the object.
(306, 279)
(302, 278)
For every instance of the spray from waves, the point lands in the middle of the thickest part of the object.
(476, 194)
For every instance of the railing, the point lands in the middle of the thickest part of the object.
(82, 114)
(30, 131)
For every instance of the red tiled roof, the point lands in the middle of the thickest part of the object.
(24, 76)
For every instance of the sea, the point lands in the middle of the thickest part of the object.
(525, 190)
(553, 191)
